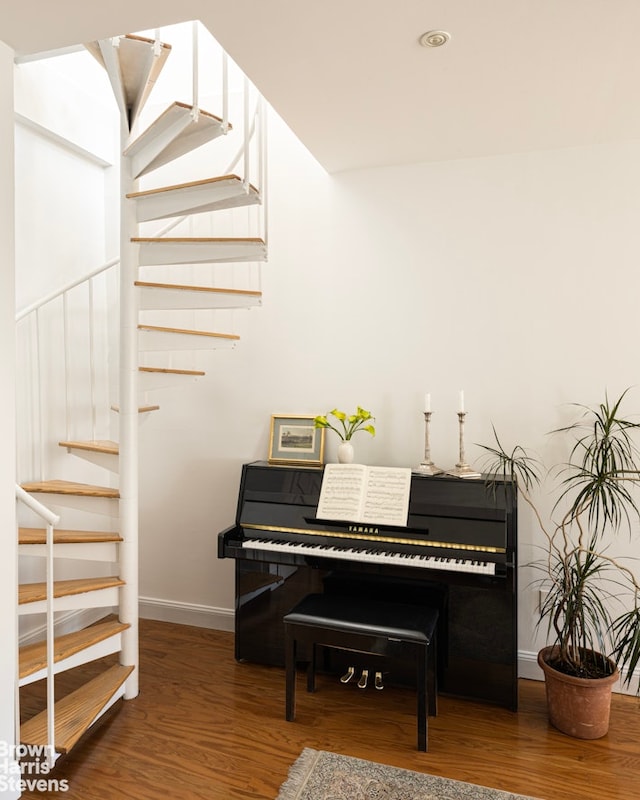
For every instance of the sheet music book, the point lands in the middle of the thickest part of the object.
(358, 493)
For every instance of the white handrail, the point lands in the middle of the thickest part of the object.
(66, 358)
(225, 92)
(252, 132)
(115, 261)
(230, 167)
(247, 135)
(254, 124)
(264, 172)
(51, 519)
(92, 365)
(66, 288)
(242, 150)
(194, 70)
(36, 506)
(40, 398)
(51, 695)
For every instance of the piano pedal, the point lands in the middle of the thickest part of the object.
(348, 675)
(363, 680)
(378, 681)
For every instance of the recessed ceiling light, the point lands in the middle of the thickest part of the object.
(434, 38)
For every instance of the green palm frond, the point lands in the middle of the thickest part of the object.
(514, 467)
(626, 632)
(582, 583)
(601, 462)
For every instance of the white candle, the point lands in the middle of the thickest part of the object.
(427, 402)
(461, 401)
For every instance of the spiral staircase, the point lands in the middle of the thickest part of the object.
(153, 293)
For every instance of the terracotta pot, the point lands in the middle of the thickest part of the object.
(578, 707)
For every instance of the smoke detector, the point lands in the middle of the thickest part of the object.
(434, 38)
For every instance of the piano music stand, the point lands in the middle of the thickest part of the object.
(376, 628)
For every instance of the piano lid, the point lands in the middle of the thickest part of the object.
(443, 509)
(430, 495)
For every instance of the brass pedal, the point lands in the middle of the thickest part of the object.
(348, 675)
(364, 678)
(378, 681)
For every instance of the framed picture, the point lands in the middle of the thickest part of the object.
(294, 440)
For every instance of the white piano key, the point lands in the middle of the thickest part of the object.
(369, 556)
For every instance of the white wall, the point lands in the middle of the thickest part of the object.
(513, 278)
(65, 140)
(65, 221)
(508, 277)
(8, 542)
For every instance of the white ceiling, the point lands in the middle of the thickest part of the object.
(350, 78)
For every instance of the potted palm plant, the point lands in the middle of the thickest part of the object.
(590, 597)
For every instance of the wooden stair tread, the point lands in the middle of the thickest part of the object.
(70, 488)
(190, 288)
(135, 37)
(195, 240)
(33, 657)
(189, 185)
(165, 250)
(95, 445)
(138, 68)
(60, 536)
(94, 47)
(193, 197)
(141, 409)
(34, 592)
(174, 133)
(162, 329)
(185, 107)
(171, 371)
(75, 713)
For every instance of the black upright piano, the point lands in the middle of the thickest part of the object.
(458, 551)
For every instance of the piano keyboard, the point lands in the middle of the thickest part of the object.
(371, 555)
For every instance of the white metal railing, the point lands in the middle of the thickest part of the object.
(51, 519)
(231, 165)
(254, 135)
(66, 348)
(250, 153)
(225, 93)
(65, 289)
(195, 72)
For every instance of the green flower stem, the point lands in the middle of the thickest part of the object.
(350, 424)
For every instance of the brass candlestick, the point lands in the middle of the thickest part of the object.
(427, 467)
(462, 469)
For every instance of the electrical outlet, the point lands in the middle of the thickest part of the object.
(542, 597)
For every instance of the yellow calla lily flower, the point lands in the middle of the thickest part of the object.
(348, 424)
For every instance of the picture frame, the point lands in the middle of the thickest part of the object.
(295, 440)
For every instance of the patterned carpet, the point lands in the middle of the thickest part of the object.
(319, 775)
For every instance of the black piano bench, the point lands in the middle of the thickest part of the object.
(362, 626)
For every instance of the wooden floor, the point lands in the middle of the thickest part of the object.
(207, 727)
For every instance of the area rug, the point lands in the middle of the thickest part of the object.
(319, 775)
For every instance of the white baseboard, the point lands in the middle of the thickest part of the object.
(221, 619)
(528, 666)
